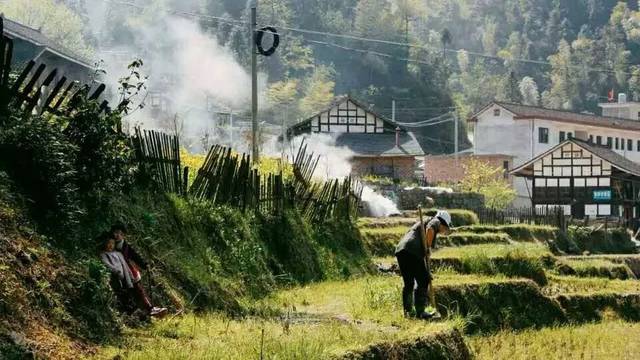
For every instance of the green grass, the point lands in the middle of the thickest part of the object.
(607, 340)
(317, 321)
(382, 241)
(597, 267)
(373, 298)
(218, 337)
(573, 285)
(517, 232)
(492, 250)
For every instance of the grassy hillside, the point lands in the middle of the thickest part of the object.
(203, 258)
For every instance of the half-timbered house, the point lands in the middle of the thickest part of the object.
(379, 146)
(585, 179)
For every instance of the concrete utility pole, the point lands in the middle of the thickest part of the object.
(254, 85)
(231, 128)
(393, 110)
(455, 135)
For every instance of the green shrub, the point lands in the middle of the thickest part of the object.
(611, 241)
(218, 255)
(459, 217)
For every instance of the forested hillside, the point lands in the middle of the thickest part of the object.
(462, 53)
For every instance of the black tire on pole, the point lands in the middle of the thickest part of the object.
(274, 46)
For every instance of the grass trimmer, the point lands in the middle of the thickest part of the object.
(427, 245)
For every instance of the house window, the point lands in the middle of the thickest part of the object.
(590, 139)
(629, 145)
(505, 166)
(609, 141)
(638, 145)
(543, 135)
(496, 112)
(599, 140)
(617, 143)
(570, 136)
(562, 136)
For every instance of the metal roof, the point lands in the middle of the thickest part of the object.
(14, 29)
(523, 112)
(363, 144)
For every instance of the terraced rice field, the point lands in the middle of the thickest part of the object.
(510, 299)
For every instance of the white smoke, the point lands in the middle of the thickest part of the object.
(378, 205)
(201, 79)
(335, 163)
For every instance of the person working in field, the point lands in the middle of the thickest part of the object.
(412, 253)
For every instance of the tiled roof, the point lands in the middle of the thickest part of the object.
(531, 112)
(616, 160)
(380, 144)
(34, 36)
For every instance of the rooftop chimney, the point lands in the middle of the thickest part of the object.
(398, 136)
(622, 98)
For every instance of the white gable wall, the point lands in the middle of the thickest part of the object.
(503, 135)
(347, 117)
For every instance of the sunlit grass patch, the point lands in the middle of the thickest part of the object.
(573, 285)
(607, 340)
(218, 337)
(597, 267)
(373, 298)
(493, 250)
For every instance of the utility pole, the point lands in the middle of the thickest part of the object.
(455, 135)
(254, 85)
(393, 110)
(230, 128)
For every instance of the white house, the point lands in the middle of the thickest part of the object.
(527, 131)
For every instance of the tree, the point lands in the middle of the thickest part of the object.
(489, 38)
(482, 178)
(54, 19)
(510, 90)
(318, 91)
(563, 89)
(529, 91)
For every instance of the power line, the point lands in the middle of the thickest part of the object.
(410, 125)
(237, 22)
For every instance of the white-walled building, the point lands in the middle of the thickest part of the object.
(526, 131)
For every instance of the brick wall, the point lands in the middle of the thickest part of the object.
(393, 167)
(443, 168)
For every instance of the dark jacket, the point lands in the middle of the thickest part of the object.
(130, 254)
(411, 242)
